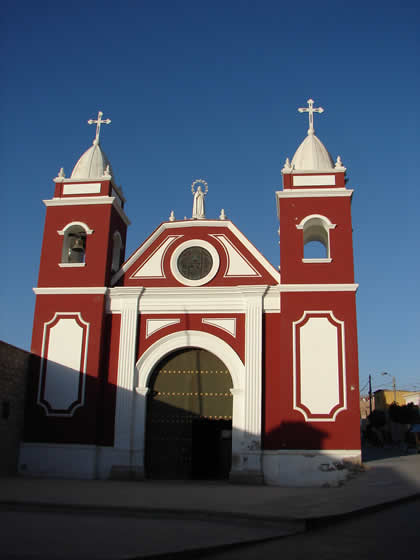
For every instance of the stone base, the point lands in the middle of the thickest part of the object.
(246, 477)
(122, 472)
(310, 467)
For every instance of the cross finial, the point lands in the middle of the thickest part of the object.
(98, 123)
(311, 110)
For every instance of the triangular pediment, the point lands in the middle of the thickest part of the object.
(196, 253)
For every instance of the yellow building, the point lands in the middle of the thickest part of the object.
(384, 398)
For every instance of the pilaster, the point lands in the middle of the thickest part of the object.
(129, 303)
(247, 465)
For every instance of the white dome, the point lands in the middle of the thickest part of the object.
(92, 164)
(312, 155)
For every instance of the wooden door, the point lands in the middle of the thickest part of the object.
(189, 417)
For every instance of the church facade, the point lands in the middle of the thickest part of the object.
(195, 357)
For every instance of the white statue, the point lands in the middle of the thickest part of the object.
(199, 212)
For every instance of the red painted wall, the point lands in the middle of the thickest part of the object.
(82, 427)
(103, 220)
(293, 270)
(285, 428)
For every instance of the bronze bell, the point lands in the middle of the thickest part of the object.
(78, 245)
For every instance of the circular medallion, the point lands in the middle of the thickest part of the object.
(194, 263)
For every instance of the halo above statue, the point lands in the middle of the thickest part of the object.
(202, 182)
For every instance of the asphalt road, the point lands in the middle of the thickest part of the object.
(389, 534)
(79, 535)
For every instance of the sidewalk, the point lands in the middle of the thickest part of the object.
(275, 510)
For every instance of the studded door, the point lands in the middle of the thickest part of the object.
(189, 417)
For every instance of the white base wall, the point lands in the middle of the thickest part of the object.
(309, 467)
(57, 460)
(74, 461)
(274, 468)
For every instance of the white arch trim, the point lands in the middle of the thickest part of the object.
(190, 339)
(72, 224)
(326, 222)
(171, 343)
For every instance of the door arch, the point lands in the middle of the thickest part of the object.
(164, 347)
(189, 417)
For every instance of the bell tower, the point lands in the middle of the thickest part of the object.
(85, 225)
(83, 246)
(315, 381)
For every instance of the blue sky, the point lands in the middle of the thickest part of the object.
(210, 90)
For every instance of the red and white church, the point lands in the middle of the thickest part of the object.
(195, 358)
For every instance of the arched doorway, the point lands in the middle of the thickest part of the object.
(189, 417)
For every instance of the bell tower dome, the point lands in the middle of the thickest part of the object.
(315, 215)
(84, 219)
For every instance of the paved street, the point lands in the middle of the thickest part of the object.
(73, 535)
(29, 535)
(110, 520)
(386, 535)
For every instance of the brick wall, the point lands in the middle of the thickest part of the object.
(14, 367)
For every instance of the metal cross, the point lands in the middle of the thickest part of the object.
(98, 123)
(311, 110)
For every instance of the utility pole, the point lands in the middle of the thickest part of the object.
(370, 394)
(394, 386)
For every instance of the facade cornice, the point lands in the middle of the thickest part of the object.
(196, 299)
(88, 201)
(73, 290)
(314, 193)
(318, 287)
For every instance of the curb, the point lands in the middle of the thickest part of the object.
(297, 525)
(323, 520)
(167, 513)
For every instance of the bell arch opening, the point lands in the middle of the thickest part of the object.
(189, 413)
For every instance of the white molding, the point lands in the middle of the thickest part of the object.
(316, 261)
(318, 287)
(314, 193)
(204, 224)
(195, 243)
(155, 325)
(79, 200)
(154, 263)
(235, 259)
(295, 324)
(71, 265)
(70, 291)
(84, 226)
(88, 201)
(44, 358)
(194, 299)
(328, 224)
(224, 323)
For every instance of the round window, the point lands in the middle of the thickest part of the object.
(195, 263)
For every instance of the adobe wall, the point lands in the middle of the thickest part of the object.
(14, 367)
